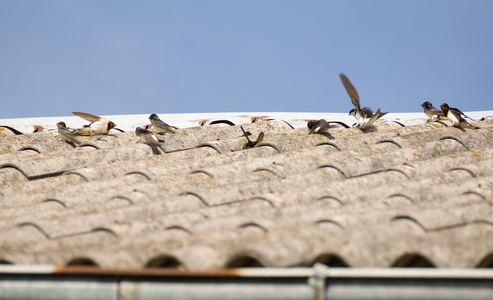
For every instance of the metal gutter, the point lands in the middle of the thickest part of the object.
(319, 282)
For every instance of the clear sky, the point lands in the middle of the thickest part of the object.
(138, 57)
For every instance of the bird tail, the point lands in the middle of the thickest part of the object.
(469, 118)
(155, 149)
(468, 126)
(381, 114)
(162, 148)
(375, 117)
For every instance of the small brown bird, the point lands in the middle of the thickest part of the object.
(432, 113)
(454, 115)
(99, 125)
(250, 144)
(159, 125)
(361, 114)
(148, 137)
(322, 126)
(67, 135)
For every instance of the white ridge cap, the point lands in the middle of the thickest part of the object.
(296, 119)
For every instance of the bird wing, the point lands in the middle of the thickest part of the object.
(324, 124)
(435, 111)
(69, 135)
(87, 116)
(351, 91)
(162, 123)
(456, 110)
(260, 138)
(368, 112)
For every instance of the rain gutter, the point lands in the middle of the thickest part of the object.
(319, 282)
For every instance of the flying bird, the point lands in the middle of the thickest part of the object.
(67, 135)
(250, 144)
(322, 126)
(454, 115)
(99, 125)
(159, 125)
(148, 137)
(364, 116)
(432, 112)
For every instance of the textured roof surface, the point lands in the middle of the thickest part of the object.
(419, 195)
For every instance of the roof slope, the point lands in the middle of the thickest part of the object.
(419, 195)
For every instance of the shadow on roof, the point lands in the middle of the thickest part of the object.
(413, 260)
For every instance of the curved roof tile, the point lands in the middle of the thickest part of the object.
(386, 196)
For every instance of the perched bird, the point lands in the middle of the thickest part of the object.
(150, 139)
(454, 115)
(99, 125)
(432, 113)
(67, 135)
(159, 125)
(250, 144)
(361, 114)
(322, 126)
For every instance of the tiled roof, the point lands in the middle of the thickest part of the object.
(419, 195)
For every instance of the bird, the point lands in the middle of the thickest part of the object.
(432, 112)
(322, 126)
(361, 114)
(454, 115)
(67, 135)
(250, 144)
(159, 125)
(99, 125)
(150, 139)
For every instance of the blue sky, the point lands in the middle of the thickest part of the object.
(139, 57)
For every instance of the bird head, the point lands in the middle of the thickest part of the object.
(426, 104)
(311, 124)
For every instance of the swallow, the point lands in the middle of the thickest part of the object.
(250, 144)
(99, 125)
(454, 115)
(159, 125)
(67, 135)
(150, 139)
(322, 126)
(361, 114)
(432, 113)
